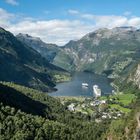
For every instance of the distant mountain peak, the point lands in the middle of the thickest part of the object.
(101, 50)
(1, 28)
(46, 50)
(101, 29)
(27, 36)
(124, 29)
(23, 65)
(107, 33)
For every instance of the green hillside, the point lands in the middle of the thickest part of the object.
(26, 113)
(110, 51)
(29, 114)
(23, 65)
(48, 51)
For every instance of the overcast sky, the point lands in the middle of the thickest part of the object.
(59, 21)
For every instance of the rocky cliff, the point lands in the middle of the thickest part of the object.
(104, 50)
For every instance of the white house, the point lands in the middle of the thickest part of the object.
(71, 107)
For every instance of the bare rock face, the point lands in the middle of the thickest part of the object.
(111, 50)
(135, 77)
(48, 51)
(102, 50)
(137, 131)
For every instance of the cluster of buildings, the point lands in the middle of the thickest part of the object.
(95, 105)
(111, 114)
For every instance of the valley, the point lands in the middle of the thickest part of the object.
(69, 70)
(32, 70)
(105, 51)
(23, 65)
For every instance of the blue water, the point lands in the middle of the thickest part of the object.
(74, 87)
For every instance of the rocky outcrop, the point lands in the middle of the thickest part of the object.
(137, 133)
(102, 50)
(48, 51)
(135, 76)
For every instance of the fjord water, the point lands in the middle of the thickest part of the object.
(74, 87)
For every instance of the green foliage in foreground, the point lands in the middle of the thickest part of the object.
(26, 114)
(16, 125)
(120, 98)
(118, 107)
(126, 128)
(126, 99)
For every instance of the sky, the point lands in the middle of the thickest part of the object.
(59, 21)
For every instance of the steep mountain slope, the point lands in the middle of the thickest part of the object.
(135, 76)
(128, 127)
(48, 51)
(23, 65)
(110, 51)
(105, 50)
(30, 100)
(29, 114)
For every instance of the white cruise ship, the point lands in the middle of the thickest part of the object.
(96, 90)
(84, 84)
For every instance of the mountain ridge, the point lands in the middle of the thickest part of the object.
(107, 51)
(24, 65)
(103, 45)
(46, 50)
(29, 114)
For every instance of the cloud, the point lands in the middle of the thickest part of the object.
(5, 18)
(88, 16)
(134, 21)
(60, 31)
(12, 2)
(73, 12)
(111, 21)
(53, 31)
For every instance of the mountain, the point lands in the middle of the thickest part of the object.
(134, 76)
(27, 113)
(48, 51)
(109, 51)
(23, 65)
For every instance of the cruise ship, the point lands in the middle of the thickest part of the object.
(84, 84)
(96, 90)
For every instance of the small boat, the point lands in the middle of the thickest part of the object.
(97, 90)
(84, 84)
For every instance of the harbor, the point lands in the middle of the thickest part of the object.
(81, 84)
(96, 90)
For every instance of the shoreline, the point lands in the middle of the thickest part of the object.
(77, 96)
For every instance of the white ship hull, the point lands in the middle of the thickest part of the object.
(84, 85)
(96, 91)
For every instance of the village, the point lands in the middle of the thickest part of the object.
(100, 108)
